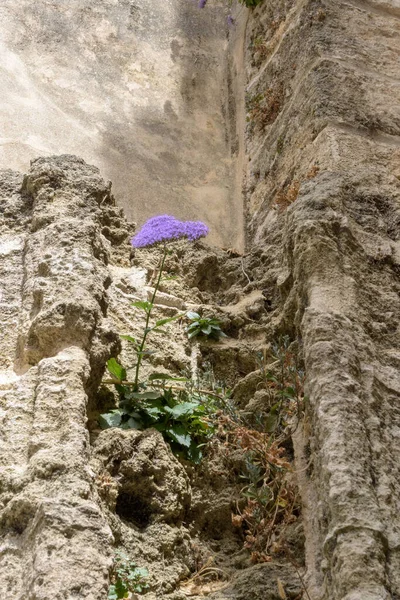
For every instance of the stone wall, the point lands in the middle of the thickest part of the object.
(323, 195)
(71, 494)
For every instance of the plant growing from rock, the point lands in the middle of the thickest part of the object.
(126, 577)
(268, 501)
(179, 412)
(284, 380)
(209, 327)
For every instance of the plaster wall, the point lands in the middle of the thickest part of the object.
(140, 88)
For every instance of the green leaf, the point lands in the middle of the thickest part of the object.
(182, 409)
(192, 315)
(195, 454)
(179, 434)
(132, 423)
(271, 377)
(129, 338)
(121, 389)
(143, 304)
(160, 427)
(159, 330)
(193, 334)
(146, 352)
(272, 420)
(154, 411)
(121, 589)
(145, 395)
(206, 330)
(141, 572)
(116, 370)
(162, 322)
(289, 392)
(111, 419)
(112, 593)
(200, 424)
(192, 326)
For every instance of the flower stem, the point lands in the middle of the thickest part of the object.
(146, 327)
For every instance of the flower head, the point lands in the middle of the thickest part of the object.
(165, 227)
(202, 3)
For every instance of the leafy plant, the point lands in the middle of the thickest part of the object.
(284, 380)
(179, 413)
(127, 577)
(203, 326)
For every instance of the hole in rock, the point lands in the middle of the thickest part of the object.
(133, 509)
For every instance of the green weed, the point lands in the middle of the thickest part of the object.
(203, 327)
(180, 414)
(126, 577)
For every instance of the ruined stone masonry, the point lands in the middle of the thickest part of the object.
(318, 122)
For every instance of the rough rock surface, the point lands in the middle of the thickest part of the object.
(55, 541)
(324, 195)
(70, 493)
(152, 483)
(322, 266)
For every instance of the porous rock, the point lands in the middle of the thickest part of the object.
(56, 542)
(152, 485)
(322, 183)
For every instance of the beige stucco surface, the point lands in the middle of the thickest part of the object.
(137, 87)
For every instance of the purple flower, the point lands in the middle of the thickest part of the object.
(164, 227)
(231, 21)
(202, 3)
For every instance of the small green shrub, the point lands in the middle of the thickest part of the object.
(180, 414)
(127, 577)
(203, 326)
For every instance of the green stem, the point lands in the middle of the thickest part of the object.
(146, 327)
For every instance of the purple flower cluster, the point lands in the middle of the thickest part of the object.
(202, 3)
(164, 228)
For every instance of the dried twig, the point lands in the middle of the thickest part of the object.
(244, 272)
(294, 565)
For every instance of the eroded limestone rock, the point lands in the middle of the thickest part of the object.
(56, 542)
(152, 485)
(322, 186)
